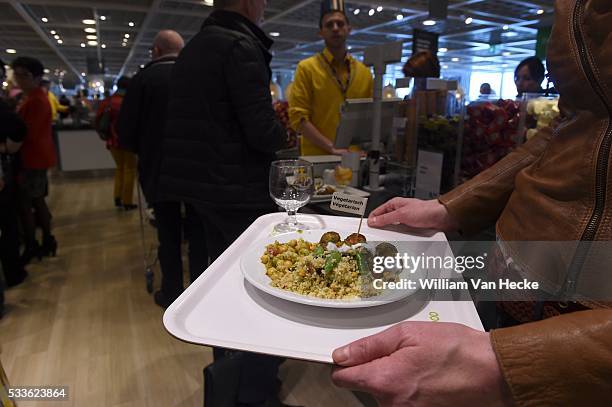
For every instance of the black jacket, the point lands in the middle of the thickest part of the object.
(11, 127)
(142, 120)
(221, 132)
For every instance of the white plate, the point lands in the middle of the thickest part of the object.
(255, 273)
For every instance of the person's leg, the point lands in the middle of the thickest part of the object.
(129, 178)
(258, 376)
(118, 158)
(14, 272)
(28, 223)
(195, 235)
(168, 217)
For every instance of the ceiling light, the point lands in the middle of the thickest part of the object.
(44, 20)
(83, 74)
(89, 22)
(92, 43)
(504, 65)
(350, 47)
(57, 37)
(53, 32)
(399, 17)
(209, 2)
(90, 30)
(103, 18)
(540, 12)
(506, 27)
(455, 59)
(46, 70)
(141, 66)
(103, 45)
(60, 42)
(127, 35)
(444, 66)
(11, 51)
(131, 24)
(429, 22)
(91, 37)
(274, 34)
(442, 49)
(506, 54)
(371, 12)
(469, 20)
(4, 84)
(510, 34)
(123, 44)
(379, 9)
(356, 11)
(82, 45)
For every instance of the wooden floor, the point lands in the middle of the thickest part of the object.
(85, 320)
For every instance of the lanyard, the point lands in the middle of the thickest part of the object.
(343, 87)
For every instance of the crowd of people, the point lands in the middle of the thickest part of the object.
(203, 150)
(28, 151)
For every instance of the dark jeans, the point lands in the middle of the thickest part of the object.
(258, 373)
(171, 229)
(9, 237)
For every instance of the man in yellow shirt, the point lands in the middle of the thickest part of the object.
(322, 83)
(55, 104)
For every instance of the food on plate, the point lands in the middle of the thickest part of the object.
(329, 269)
(325, 190)
(327, 237)
(355, 238)
(385, 249)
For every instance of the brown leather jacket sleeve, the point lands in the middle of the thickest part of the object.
(562, 361)
(478, 203)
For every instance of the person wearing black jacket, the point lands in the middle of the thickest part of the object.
(221, 137)
(140, 126)
(12, 133)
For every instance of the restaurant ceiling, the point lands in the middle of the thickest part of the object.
(501, 33)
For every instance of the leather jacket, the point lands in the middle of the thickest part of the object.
(558, 186)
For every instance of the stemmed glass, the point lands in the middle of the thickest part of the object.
(291, 187)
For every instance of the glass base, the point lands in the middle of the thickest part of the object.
(287, 227)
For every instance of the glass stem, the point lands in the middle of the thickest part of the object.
(291, 217)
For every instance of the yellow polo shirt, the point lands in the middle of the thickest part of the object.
(317, 96)
(56, 106)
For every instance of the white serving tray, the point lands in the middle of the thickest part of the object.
(222, 309)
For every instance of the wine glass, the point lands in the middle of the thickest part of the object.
(291, 187)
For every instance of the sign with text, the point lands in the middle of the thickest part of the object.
(348, 203)
(429, 175)
(424, 41)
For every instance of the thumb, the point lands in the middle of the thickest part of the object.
(370, 348)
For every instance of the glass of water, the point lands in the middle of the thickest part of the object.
(291, 187)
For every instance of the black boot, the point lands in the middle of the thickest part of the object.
(49, 246)
(31, 251)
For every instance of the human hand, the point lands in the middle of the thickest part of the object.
(414, 213)
(338, 151)
(424, 364)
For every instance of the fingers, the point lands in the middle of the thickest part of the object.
(359, 378)
(384, 219)
(370, 348)
(386, 214)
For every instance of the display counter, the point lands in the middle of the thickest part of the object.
(82, 150)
